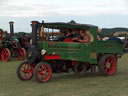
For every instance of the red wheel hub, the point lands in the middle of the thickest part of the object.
(110, 65)
(44, 72)
(5, 54)
(26, 71)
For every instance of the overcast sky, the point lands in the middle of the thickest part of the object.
(103, 13)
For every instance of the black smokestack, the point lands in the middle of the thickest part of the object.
(34, 32)
(11, 28)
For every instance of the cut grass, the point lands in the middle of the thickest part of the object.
(92, 84)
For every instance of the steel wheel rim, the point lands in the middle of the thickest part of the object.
(26, 71)
(110, 65)
(44, 72)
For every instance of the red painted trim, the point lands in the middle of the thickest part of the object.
(68, 40)
(48, 57)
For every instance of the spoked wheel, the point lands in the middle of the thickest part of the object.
(107, 65)
(25, 71)
(80, 69)
(5, 54)
(21, 53)
(43, 72)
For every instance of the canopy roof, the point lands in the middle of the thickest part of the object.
(66, 25)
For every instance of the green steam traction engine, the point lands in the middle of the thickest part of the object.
(47, 57)
(10, 45)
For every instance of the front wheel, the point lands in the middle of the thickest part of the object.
(25, 71)
(107, 65)
(43, 72)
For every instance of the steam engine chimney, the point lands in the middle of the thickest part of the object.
(34, 32)
(11, 28)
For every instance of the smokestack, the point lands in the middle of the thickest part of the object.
(34, 32)
(11, 28)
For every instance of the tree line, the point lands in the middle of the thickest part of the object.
(108, 32)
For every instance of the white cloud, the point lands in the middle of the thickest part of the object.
(26, 8)
(96, 8)
(23, 9)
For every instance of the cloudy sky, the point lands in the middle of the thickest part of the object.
(103, 13)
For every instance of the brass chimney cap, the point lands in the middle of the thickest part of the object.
(35, 22)
(11, 22)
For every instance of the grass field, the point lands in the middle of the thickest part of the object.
(92, 84)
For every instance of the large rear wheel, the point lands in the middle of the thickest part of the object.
(43, 72)
(25, 71)
(5, 54)
(107, 65)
